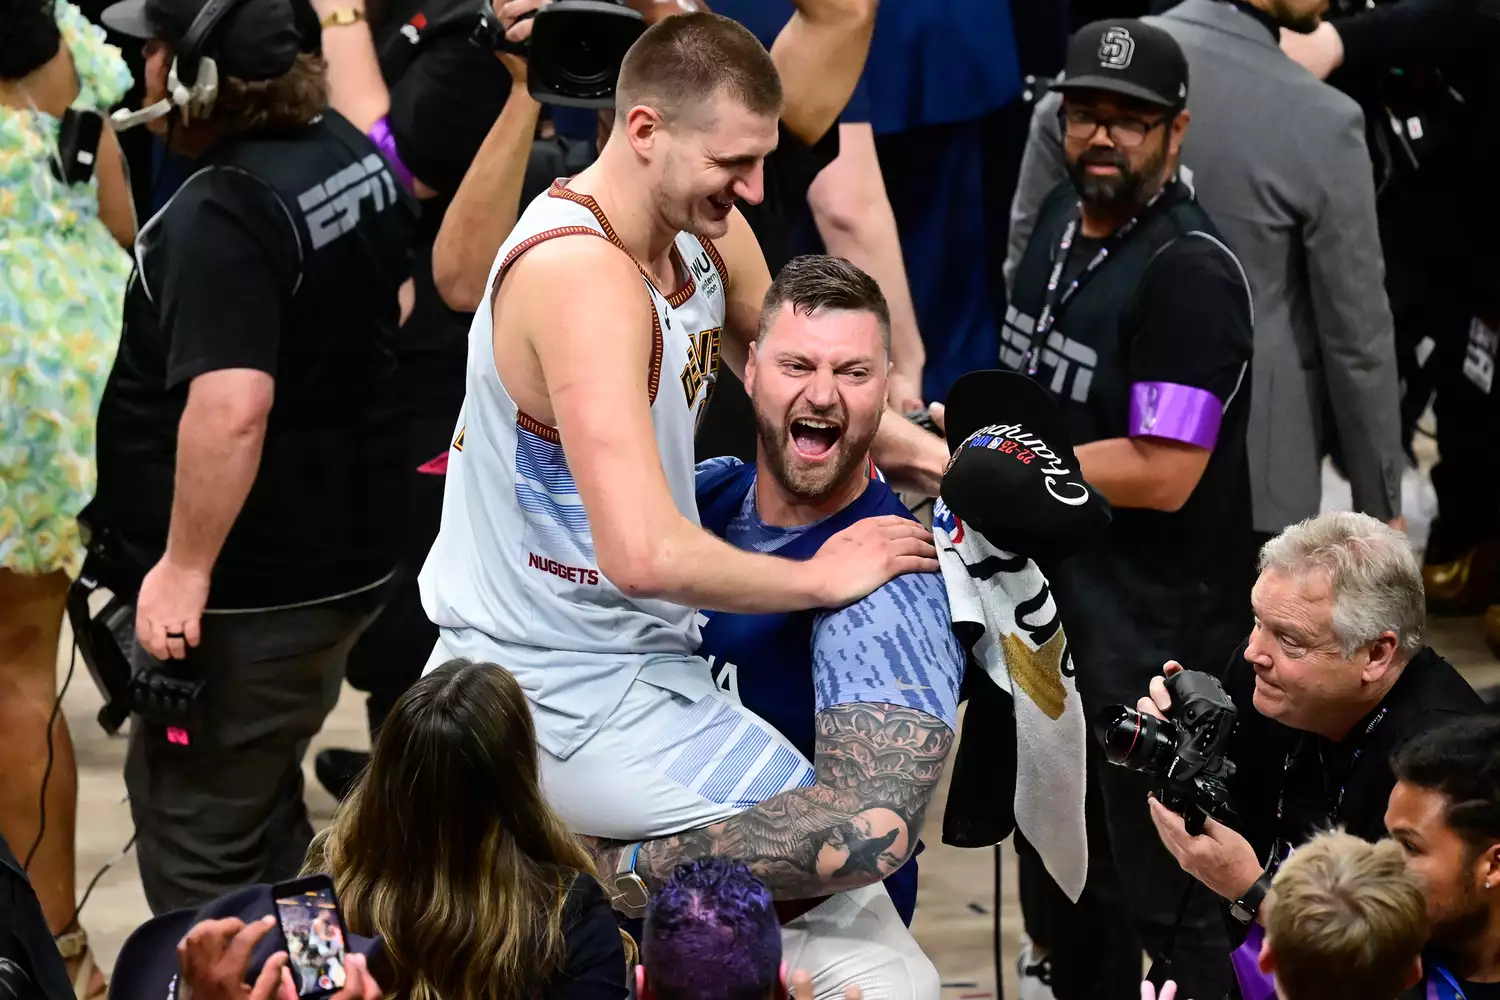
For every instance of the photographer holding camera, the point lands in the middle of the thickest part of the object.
(1334, 678)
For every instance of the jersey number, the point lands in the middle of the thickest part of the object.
(702, 364)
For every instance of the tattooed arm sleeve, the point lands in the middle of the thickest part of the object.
(877, 767)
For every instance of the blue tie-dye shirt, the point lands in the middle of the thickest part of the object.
(894, 647)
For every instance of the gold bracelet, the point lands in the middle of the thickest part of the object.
(341, 17)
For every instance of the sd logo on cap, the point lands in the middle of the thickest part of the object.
(1013, 476)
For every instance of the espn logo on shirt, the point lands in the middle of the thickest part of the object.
(331, 208)
(1072, 364)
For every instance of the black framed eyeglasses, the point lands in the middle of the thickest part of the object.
(1126, 133)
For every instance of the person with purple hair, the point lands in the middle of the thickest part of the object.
(712, 933)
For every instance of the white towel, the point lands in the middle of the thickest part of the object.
(1024, 650)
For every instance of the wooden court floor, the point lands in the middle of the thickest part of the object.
(955, 911)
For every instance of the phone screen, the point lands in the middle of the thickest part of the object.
(314, 939)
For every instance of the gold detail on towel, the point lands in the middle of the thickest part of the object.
(1038, 672)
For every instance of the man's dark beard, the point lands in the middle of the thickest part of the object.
(1455, 937)
(812, 488)
(1127, 189)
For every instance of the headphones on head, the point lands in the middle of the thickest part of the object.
(193, 80)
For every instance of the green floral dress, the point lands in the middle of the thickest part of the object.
(62, 291)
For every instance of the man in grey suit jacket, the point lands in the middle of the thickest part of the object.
(1278, 159)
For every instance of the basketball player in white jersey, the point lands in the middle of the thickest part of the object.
(570, 550)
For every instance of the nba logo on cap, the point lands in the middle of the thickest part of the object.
(1116, 49)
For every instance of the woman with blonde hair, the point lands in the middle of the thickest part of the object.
(447, 851)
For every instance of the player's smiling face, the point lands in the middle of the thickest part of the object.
(818, 383)
(713, 160)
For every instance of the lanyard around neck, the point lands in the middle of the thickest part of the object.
(1446, 976)
(1057, 297)
(1280, 849)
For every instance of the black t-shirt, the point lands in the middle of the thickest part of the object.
(1430, 975)
(282, 254)
(446, 93)
(1168, 305)
(1318, 782)
(729, 423)
(790, 172)
(594, 968)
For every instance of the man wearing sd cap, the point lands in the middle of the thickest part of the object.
(1137, 317)
(244, 433)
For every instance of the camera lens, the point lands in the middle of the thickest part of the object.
(1131, 739)
(580, 56)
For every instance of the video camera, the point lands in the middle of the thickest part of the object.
(575, 49)
(1185, 754)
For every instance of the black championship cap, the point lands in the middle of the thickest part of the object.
(257, 40)
(1128, 57)
(1013, 476)
(146, 968)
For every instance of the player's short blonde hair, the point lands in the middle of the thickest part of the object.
(682, 62)
(1345, 920)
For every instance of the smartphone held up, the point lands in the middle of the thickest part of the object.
(312, 929)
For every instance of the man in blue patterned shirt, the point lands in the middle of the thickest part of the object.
(867, 692)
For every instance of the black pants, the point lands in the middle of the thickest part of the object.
(225, 810)
(1467, 478)
(389, 657)
(1137, 898)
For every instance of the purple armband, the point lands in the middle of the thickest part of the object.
(385, 141)
(1254, 984)
(1176, 412)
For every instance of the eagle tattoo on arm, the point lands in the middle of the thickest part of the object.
(877, 766)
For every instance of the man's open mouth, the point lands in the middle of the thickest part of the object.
(722, 204)
(814, 438)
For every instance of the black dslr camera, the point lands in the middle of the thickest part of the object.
(1185, 754)
(575, 49)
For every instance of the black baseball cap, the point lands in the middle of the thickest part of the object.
(1013, 476)
(256, 40)
(1129, 57)
(146, 968)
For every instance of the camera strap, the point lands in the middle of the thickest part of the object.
(1338, 803)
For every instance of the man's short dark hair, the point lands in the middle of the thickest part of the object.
(1461, 760)
(712, 933)
(818, 281)
(682, 61)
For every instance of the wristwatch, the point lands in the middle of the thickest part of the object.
(627, 890)
(1245, 908)
(341, 17)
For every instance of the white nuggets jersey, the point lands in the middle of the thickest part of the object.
(512, 578)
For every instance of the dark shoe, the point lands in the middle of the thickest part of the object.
(1466, 585)
(338, 769)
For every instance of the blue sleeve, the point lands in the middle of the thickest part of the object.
(858, 110)
(895, 647)
(710, 470)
